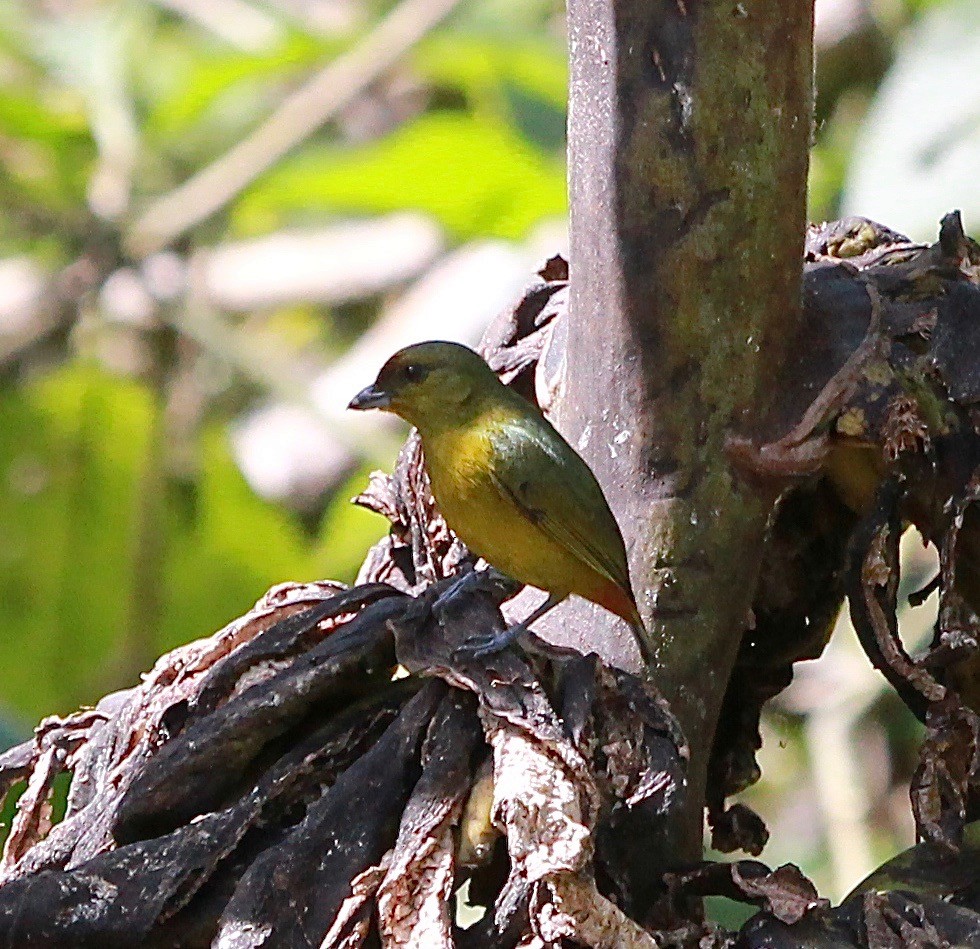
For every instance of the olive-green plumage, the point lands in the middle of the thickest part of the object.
(508, 484)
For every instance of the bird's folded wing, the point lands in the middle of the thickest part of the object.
(554, 489)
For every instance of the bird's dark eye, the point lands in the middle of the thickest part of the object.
(414, 373)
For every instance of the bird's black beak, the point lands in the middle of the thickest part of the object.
(370, 398)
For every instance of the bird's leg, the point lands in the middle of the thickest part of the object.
(465, 581)
(470, 580)
(485, 645)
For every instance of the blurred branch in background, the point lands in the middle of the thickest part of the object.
(138, 643)
(37, 306)
(302, 112)
(237, 22)
(347, 261)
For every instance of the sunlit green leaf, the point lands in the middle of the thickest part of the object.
(70, 448)
(200, 86)
(476, 176)
(74, 447)
(348, 530)
(481, 66)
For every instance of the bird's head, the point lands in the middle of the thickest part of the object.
(429, 384)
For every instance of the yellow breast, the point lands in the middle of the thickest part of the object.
(489, 522)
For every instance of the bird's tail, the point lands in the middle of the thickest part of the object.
(642, 636)
(623, 604)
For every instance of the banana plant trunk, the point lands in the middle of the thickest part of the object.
(689, 130)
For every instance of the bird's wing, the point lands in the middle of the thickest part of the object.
(555, 489)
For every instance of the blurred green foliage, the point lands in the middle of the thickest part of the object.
(74, 445)
(118, 538)
(501, 197)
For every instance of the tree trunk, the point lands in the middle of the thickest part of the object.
(689, 130)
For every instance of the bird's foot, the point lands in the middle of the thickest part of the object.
(476, 647)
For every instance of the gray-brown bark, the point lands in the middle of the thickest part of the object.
(689, 134)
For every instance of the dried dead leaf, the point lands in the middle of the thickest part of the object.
(351, 924)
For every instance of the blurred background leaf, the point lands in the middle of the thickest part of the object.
(172, 431)
(502, 183)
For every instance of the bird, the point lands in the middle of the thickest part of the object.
(507, 483)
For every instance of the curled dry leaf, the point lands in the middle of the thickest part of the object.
(568, 906)
(785, 893)
(353, 920)
(738, 827)
(948, 770)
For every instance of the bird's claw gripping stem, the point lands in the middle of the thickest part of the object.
(489, 643)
